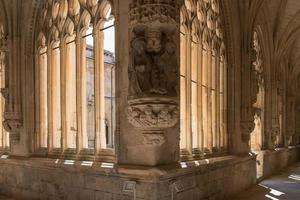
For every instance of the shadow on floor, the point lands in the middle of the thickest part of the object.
(284, 186)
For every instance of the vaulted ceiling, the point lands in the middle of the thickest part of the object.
(283, 18)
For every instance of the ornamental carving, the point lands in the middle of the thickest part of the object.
(275, 133)
(153, 71)
(3, 39)
(145, 11)
(153, 116)
(253, 103)
(12, 123)
(154, 67)
(257, 63)
(154, 139)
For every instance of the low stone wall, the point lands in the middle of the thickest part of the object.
(37, 178)
(270, 162)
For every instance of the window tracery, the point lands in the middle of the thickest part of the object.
(73, 60)
(203, 80)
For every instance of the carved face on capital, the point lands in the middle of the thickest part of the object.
(153, 37)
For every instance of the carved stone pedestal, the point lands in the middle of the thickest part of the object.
(154, 119)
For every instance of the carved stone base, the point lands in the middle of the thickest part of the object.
(154, 138)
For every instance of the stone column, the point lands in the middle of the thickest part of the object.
(150, 136)
(11, 91)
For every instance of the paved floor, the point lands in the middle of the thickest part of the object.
(284, 186)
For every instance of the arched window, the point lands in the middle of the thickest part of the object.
(75, 71)
(203, 80)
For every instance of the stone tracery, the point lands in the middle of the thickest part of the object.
(71, 94)
(204, 79)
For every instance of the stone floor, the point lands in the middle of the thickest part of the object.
(284, 186)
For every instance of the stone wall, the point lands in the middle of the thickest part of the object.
(37, 178)
(215, 178)
(270, 162)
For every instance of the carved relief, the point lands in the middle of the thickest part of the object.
(257, 63)
(2, 60)
(145, 11)
(257, 91)
(275, 132)
(3, 39)
(5, 95)
(13, 124)
(154, 67)
(151, 116)
(153, 71)
(154, 139)
(12, 120)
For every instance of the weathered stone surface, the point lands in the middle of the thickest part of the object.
(194, 182)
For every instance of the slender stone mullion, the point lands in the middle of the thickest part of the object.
(199, 97)
(204, 97)
(189, 135)
(213, 98)
(100, 142)
(63, 102)
(83, 88)
(71, 97)
(5, 134)
(50, 100)
(37, 143)
(209, 102)
(194, 107)
(79, 105)
(225, 105)
(183, 66)
(218, 132)
(42, 100)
